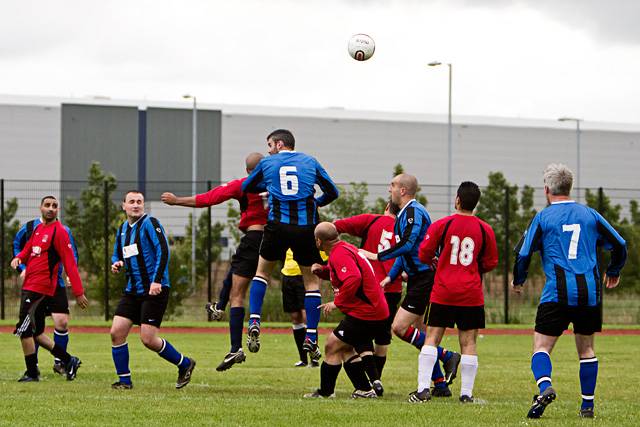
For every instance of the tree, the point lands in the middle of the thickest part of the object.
(85, 218)
(491, 209)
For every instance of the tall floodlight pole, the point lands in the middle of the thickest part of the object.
(577, 121)
(194, 177)
(449, 138)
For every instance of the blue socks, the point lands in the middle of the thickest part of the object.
(236, 319)
(61, 338)
(171, 355)
(256, 298)
(444, 355)
(312, 299)
(588, 376)
(120, 354)
(415, 337)
(541, 368)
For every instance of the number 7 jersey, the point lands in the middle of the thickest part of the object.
(290, 178)
(567, 235)
(467, 249)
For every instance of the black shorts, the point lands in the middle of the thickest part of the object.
(418, 293)
(280, 237)
(553, 319)
(360, 334)
(144, 309)
(33, 310)
(449, 316)
(58, 303)
(393, 300)
(245, 261)
(292, 293)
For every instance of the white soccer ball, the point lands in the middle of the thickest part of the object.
(361, 47)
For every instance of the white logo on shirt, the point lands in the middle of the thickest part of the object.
(344, 269)
(36, 250)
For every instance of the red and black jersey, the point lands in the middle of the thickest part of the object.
(468, 249)
(253, 210)
(48, 247)
(376, 232)
(357, 291)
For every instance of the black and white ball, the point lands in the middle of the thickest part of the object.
(361, 47)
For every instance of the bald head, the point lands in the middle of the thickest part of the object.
(408, 182)
(326, 236)
(252, 161)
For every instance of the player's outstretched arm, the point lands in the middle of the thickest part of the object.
(329, 190)
(173, 200)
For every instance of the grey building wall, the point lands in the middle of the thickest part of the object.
(29, 142)
(107, 134)
(169, 149)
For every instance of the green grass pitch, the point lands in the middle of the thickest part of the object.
(267, 390)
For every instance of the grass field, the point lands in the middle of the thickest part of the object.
(267, 390)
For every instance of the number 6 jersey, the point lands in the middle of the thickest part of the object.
(567, 234)
(290, 177)
(467, 248)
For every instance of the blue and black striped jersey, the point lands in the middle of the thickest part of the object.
(23, 235)
(290, 177)
(144, 249)
(567, 235)
(411, 225)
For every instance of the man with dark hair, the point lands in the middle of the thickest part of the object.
(467, 249)
(253, 217)
(142, 249)
(58, 305)
(361, 299)
(290, 178)
(44, 253)
(410, 227)
(567, 235)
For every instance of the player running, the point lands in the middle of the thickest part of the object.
(360, 298)
(58, 305)
(467, 249)
(253, 217)
(410, 228)
(567, 235)
(47, 250)
(289, 177)
(141, 248)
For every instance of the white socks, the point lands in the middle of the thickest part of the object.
(427, 359)
(468, 370)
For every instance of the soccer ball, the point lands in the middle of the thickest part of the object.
(361, 47)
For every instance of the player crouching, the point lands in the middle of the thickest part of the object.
(467, 247)
(359, 296)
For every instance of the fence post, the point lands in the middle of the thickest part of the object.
(209, 252)
(506, 255)
(600, 255)
(106, 251)
(2, 255)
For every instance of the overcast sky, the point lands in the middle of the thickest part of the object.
(520, 58)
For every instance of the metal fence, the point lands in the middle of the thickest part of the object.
(501, 305)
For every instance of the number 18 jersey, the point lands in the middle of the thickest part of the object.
(467, 249)
(290, 178)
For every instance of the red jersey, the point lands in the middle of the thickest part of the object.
(357, 291)
(467, 250)
(376, 232)
(48, 246)
(253, 210)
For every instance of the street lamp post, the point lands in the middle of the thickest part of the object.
(449, 137)
(194, 167)
(577, 121)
